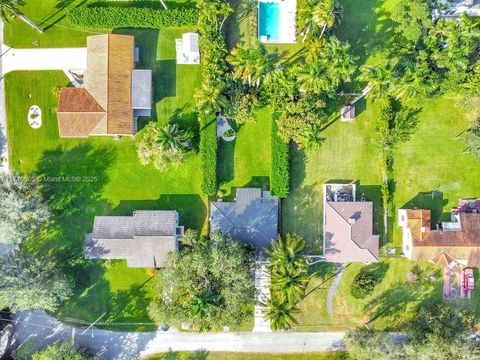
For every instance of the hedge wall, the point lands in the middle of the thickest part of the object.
(109, 17)
(208, 154)
(279, 176)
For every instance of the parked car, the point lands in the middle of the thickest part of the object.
(468, 279)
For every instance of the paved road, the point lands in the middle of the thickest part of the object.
(43, 59)
(130, 345)
(262, 284)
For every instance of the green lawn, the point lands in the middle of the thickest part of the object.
(393, 301)
(246, 160)
(111, 180)
(50, 16)
(346, 155)
(248, 356)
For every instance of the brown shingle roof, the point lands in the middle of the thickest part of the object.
(349, 232)
(418, 219)
(77, 100)
(77, 124)
(107, 88)
(469, 235)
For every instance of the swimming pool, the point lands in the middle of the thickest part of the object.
(269, 20)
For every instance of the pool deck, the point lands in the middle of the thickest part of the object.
(288, 32)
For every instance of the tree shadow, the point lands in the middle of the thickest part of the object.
(404, 297)
(191, 208)
(60, 7)
(432, 200)
(377, 270)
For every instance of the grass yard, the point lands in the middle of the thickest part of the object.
(346, 155)
(433, 160)
(87, 177)
(50, 16)
(393, 301)
(246, 160)
(205, 355)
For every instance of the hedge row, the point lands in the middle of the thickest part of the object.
(280, 176)
(109, 17)
(208, 154)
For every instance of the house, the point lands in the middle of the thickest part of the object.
(113, 93)
(452, 9)
(252, 217)
(188, 50)
(348, 226)
(457, 240)
(144, 239)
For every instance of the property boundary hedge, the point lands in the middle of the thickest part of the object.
(208, 154)
(280, 171)
(109, 17)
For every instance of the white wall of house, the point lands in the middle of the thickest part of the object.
(407, 235)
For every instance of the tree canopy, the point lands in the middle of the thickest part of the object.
(29, 282)
(208, 283)
(21, 208)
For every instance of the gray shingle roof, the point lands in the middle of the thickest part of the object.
(144, 239)
(252, 218)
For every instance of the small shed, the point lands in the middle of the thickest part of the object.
(188, 50)
(348, 113)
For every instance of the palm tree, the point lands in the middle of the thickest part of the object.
(312, 139)
(340, 65)
(210, 98)
(290, 283)
(171, 137)
(280, 313)
(288, 252)
(311, 77)
(10, 7)
(202, 306)
(319, 16)
(380, 78)
(251, 64)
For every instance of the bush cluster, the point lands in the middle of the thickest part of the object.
(109, 17)
(279, 176)
(363, 284)
(208, 154)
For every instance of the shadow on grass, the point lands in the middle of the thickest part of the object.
(432, 200)
(174, 355)
(191, 208)
(404, 299)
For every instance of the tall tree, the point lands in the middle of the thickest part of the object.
(380, 78)
(251, 64)
(318, 16)
(30, 282)
(21, 208)
(208, 283)
(289, 280)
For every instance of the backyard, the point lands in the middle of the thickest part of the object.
(99, 176)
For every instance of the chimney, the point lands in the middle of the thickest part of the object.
(352, 220)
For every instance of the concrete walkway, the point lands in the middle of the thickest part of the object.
(43, 329)
(43, 59)
(333, 288)
(262, 284)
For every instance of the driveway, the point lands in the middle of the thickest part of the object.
(44, 329)
(43, 59)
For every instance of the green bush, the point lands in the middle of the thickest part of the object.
(109, 17)
(363, 284)
(279, 176)
(208, 154)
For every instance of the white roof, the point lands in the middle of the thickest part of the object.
(190, 43)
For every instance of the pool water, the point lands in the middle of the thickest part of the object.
(269, 20)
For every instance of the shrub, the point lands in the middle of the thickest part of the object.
(109, 17)
(208, 154)
(279, 176)
(363, 284)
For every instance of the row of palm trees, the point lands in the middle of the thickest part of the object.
(289, 281)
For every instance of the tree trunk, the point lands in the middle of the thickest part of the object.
(164, 5)
(26, 20)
